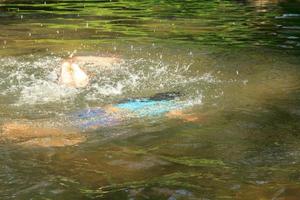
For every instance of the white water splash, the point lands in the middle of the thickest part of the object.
(34, 81)
(44, 91)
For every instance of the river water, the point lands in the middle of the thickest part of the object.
(236, 63)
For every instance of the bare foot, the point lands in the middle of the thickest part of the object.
(73, 76)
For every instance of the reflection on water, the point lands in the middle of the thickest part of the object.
(235, 62)
(83, 24)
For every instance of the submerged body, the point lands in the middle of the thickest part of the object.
(89, 119)
(70, 129)
(31, 133)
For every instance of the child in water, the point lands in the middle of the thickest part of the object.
(42, 134)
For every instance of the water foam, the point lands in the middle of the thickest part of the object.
(34, 80)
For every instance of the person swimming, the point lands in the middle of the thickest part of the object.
(40, 133)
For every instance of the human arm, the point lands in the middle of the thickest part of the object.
(179, 114)
(38, 135)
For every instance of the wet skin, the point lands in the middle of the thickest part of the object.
(31, 134)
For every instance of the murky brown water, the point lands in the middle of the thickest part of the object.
(236, 64)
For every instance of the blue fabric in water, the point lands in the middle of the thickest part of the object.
(94, 118)
(148, 108)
